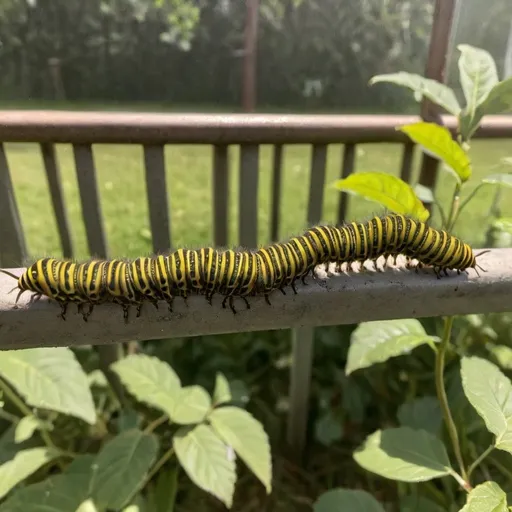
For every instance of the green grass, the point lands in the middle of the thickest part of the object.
(124, 205)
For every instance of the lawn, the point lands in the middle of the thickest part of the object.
(123, 193)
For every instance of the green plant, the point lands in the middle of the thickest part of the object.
(71, 446)
(415, 450)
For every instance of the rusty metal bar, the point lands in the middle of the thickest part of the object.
(156, 185)
(347, 167)
(151, 128)
(220, 195)
(277, 174)
(13, 249)
(57, 194)
(248, 196)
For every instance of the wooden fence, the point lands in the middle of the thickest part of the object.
(412, 295)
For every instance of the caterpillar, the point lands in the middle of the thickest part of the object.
(243, 274)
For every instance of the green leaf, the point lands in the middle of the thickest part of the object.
(87, 506)
(499, 179)
(438, 142)
(385, 189)
(499, 101)
(207, 461)
(478, 75)
(425, 194)
(23, 464)
(191, 405)
(488, 497)
(122, 464)
(328, 428)
(60, 493)
(97, 378)
(246, 436)
(347, 500)
(404, 454)
(222, 392)
(503, 224)
(502, 353)
(150, 380)
(421, 413)
(26, 427)
(435, 91)
(375, 342)
(489, 391)
(418, 503)
(49, 378)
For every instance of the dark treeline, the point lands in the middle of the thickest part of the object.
(317, 53)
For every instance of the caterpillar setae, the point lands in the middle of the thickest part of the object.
(243, 274)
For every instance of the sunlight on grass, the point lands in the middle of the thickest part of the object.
(123, 195)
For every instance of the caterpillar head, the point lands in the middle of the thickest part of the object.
(28, 281)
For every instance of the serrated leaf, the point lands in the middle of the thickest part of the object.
(425, 194)
(499, 179)
(489, 391)
(150, 380)
(191, 405)
(438, 142)
(23, 464)
(247, 437)
(222, 392)
(49, 378)
(345, 500)
(421, 413)
(435, 91)
(60, 493)
(488, 497)
(404, 454)
(328, 428)
(122, 464)
(207, 461)
(26, 427)
(385, 189)
(375, 342)
(502, 353)
(478, 75)
(418, 503)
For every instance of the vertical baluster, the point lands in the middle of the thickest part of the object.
(277, 172)
(249, 177)
(407, 156)
(220, 195)
(347, 168)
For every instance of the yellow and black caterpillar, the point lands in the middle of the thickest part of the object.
(242, 274)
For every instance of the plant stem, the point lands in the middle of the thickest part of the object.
(443, 399)
(165, 457)
(156, 423)
(483, 455)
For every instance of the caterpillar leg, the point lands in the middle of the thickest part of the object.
(292, 284)
(85, 316)
(267, 299)
(126, 310)
(209, 297)
(246, 302)
(169, 304)
(231, 304)
(35, 297)
(63, 309)
(282, 291)
(139, 308)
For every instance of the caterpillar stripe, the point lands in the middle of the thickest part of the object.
(242, 274)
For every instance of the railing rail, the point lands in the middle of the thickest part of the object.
(149, 128)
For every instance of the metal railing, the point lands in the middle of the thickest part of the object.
(336, 301)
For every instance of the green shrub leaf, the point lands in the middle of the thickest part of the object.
(435, 91)
(122, 465)
(498, 101)
(191, 405)
(438, 141)
(207, 461)
(150, 380)
(328, 428)
(87, 506)
(23, 464)
(246, 436)
(60, 493)
(222, 391)
(478, 75)
(499, 179)
(487, 496)
(49, 378)
(26, 427)
(418, 503)
(387, 190)
(502, 353)
(421, 413)
(489, 392)
(343, 500)
(375, 342)
(404, 454)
